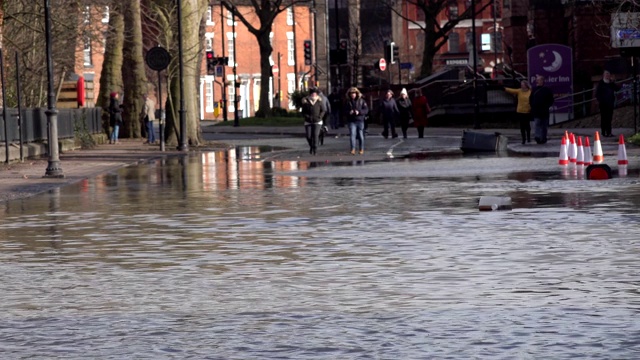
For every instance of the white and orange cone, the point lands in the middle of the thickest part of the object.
(573, 149)
(588, 158)
(598, 156)
(563, 159)
(622, 152)
(580, 152)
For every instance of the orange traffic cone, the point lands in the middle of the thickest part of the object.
(622, 152)
(573, 149)
(563, 159)
(580, 152)
(598, 157)
(588, 158)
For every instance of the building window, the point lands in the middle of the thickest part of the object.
(290, 16)
(208, 41)
(230, 18)
(87, 51)
(105, 15)
(210, 15)
(291, 87)
(232, 59)
(231, 96)
(454, 42)
(86, 15)
(488, 42)
(271, 43)
(467, 41)
(291, 60)
(208, 94)
(452, 11)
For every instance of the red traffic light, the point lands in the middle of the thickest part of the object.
(209, 54)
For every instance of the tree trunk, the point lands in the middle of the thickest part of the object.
(428, 53)
(192, 16)
(265, 72)
(111, 75)
(133, 71)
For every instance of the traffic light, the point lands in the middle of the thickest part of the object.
(395, 53)
(211, 63)
(307, 52)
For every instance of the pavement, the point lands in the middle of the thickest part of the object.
(21, 179)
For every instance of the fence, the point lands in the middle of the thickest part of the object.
(34, 123)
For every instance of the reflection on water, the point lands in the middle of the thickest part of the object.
(218, 256)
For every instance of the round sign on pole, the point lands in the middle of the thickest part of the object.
(157, 58)
(382, 63)
(274, 69)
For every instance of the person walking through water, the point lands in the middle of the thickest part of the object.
(148, 111)
(115, 117)
(389, 112)
(356, 109)
(421, 111)
(541, 100)
(313, 112)
(606, 96)
(523, 108)
(406, 112)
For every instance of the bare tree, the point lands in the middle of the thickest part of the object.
(436, 34)
(133, 69)
(111, 75)
(265, 11)
(23, 33)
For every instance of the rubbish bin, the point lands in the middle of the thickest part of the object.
(474, 141)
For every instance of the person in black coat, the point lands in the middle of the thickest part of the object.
(313, 111)
(406, 111)
(115, 117)
(355, 111)
(389, 113)
(541, 99)
(606, 96)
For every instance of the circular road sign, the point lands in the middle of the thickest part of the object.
(274, 69)
(157, 58)
(382, 63)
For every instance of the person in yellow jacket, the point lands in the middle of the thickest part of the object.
(523, 109)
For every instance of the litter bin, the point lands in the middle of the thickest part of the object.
(474, 141)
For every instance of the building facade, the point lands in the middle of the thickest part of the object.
(228, 38)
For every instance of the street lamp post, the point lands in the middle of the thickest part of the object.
(476, 109)
(182, 146)
(236, 121)
(54, 170)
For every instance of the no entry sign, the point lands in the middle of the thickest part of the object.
(382, 63)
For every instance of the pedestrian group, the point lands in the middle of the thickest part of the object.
(353, 111)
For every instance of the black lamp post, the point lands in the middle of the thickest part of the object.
(476, 109)
(54, 169)
(236, 86)
(182, 146)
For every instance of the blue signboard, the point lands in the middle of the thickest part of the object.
(219, 70)
(555, 63)
(406, 66)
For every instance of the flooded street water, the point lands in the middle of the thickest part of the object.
(215, 256)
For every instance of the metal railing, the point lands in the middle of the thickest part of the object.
(34, 124)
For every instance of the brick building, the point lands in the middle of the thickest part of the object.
(290, 29)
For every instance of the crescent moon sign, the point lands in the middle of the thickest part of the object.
(556, 64)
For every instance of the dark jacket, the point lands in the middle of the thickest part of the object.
(358, 104)
(327, 106)
(406, 109)
(313, 112)
(115, 112)
(606, 93)
(388, 109)
(541, 100)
